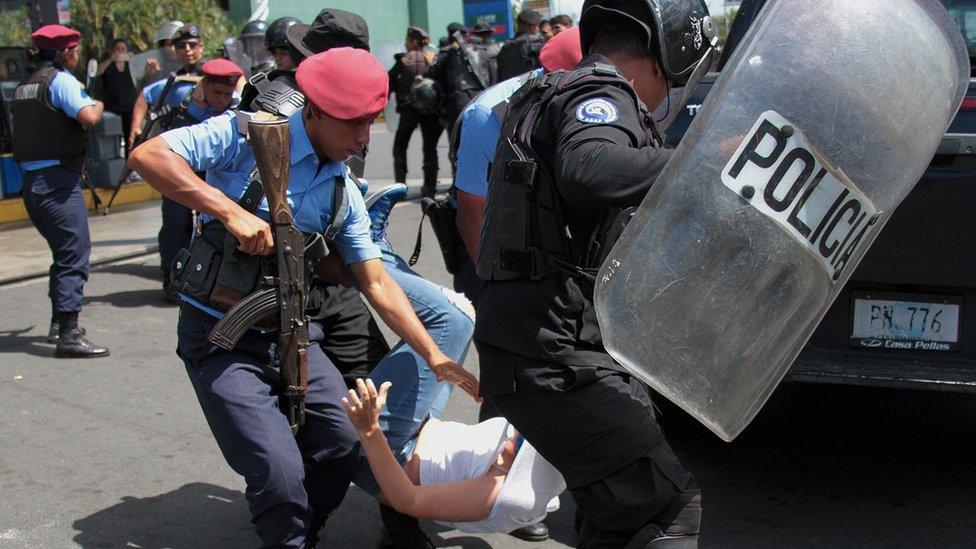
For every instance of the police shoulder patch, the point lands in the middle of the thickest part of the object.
(597, 111)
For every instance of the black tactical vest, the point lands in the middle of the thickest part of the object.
(519, 55)
(524, 235)
(42, 132)
(274, 91)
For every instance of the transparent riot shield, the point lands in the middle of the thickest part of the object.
(822, 122)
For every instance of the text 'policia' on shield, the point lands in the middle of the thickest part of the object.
(780, 175)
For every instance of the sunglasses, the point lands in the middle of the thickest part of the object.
(187, 45)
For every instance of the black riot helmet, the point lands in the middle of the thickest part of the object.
(679, 32)
(254, 29)
(276, 36)
(426, 95)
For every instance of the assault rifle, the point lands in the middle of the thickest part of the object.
(287, 291)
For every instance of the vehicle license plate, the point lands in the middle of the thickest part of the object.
(905, 321)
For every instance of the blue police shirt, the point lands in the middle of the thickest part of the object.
(217, 147)
(66, 93)
(480, 127)
(177, 92)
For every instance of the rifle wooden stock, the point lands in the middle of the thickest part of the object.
(270, 142)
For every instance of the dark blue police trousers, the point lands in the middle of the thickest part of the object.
(54, 201)
(174, 234)
(287, 477)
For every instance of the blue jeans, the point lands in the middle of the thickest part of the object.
(416, 394)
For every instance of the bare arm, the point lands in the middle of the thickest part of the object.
(386, 296)
(168, 173)
(91, 115)
(464, 501)
(471, 211)
(139, 111)
(104, 64)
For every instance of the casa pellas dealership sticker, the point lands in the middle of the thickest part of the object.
(781, 176)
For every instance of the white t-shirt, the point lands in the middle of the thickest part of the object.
(452, 452)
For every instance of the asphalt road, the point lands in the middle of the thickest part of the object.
(116, 453)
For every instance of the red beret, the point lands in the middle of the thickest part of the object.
(222, 70)
(55, 37)
(345, 83)
(562, 52)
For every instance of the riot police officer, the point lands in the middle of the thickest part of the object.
(294, 482)
(462, 69)
(188, 42)
(251, 40)
(276, 41)
(50, 112)
(521, 54)
(474, 147)
(405, 70)
(557, 191)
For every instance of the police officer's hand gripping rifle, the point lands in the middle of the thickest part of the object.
(288, 292)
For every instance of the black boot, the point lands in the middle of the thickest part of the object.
(54, 331)
(72, 342)
(401, 531)
(676, 527)
(318, 521)
(533, 532)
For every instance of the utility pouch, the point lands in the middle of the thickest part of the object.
(239, 274)
(195, 269)
(443, 219)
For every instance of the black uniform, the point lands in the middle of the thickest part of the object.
(543, 363)
(406, 68)
(462, 72)
(519, 55)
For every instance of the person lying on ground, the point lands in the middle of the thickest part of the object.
(481, 478)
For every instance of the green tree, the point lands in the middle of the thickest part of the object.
(100, 21)
(14, 28)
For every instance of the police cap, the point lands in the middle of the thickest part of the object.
(482, 28)
(345, 83)
(331, 28)
(55, 37)
(456, 27)
(530, 17)
(189, 30)
(222, 71)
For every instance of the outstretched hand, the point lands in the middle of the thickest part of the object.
(364, 408)
(453, 373)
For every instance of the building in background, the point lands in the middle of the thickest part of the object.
(387, 19)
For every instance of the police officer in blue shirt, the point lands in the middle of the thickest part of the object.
(188, 41)
(215, 93)
(293, 482)
(51, 110)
